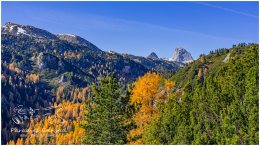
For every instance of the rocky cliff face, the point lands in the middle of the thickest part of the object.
(181, 55)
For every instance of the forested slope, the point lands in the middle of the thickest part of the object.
(216, 101)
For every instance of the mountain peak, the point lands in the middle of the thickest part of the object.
(18, 29)
(181, 55)
(152, 56)
(179, 49)
(10, 23)
(31, 31)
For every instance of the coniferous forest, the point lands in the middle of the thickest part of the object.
(55, 91)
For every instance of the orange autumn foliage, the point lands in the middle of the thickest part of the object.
(145, 88)
(56, 129)
(149, 91)
(13, 68)
(33, 78)
(60, 128)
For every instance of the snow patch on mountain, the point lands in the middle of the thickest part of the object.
(22, 31)
(17, 29)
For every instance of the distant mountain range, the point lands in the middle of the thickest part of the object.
(74, 54)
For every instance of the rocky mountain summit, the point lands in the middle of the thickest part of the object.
(152, 56)
(181, 55)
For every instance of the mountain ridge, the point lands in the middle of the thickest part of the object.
(34, 32)
(31, 31)
(72, 38)
(76, 49)
(28, 30)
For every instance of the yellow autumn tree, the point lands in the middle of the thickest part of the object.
(149, 90)
(19, 141)
(13, 68)
(33, 77)
(11, 142)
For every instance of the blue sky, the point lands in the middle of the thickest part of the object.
(140, 28)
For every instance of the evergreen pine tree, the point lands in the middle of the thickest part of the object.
(106, 114)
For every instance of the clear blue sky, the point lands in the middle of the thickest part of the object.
(142, 27)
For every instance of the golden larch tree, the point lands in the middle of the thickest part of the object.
(149, 90)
